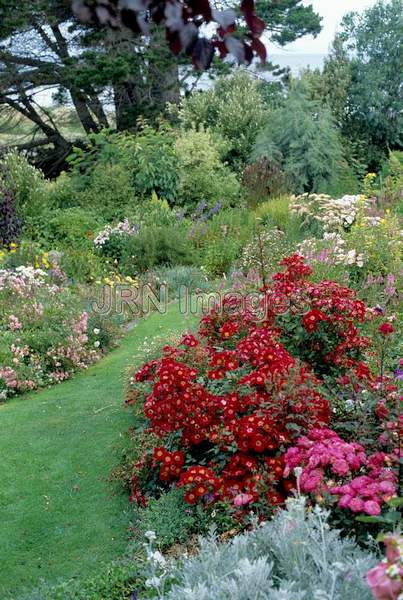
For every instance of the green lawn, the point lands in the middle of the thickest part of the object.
(59, 514)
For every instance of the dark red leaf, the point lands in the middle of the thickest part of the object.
(221, 47)
(174, 41)
(200, 7)
(255, 24)
(248, 53)
(247, 7)
(259, 48)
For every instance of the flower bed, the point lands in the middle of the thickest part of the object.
(241, 404)
(45, 335)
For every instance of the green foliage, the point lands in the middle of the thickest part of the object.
(123, 170)
(27, 182)
(372, 42)
(288, 20)
(153, 247)
(234, 108)
(81, 264)
(202, 175)
(302, 137)
(70, 228)
(261, 180)
(177, 278)
(391, 181)
(109, 192)
(169, 517)
(116, 581)
(220, 256)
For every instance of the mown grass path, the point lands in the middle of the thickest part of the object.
(59, 516)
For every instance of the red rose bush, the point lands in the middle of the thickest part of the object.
(239, 406)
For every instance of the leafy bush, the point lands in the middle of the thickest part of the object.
(391, 180)
(26, 182)
(303, 139)
(71, 227)
(141, 164)
(203, 177)
(10, 223)
(81, 265)
(177, 278)
(109, 193)
(168, 516)
(220, 256)
(234, 108)
(262, 179)
(276, 214)
(294, 556)
(154, 247)
(116, 581)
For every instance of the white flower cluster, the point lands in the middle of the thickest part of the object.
(21, 278)
(122, 228)
(332, 214)
(331, 249)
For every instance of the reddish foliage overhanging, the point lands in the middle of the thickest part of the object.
(182, 20)
(228, 403)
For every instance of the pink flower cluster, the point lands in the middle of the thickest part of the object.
(11, 380)
(367, 493)
(386, 579)
(322, 454)
(14, 323)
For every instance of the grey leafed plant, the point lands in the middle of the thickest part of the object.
(296, 556)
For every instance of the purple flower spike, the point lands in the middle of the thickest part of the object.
(399, 374)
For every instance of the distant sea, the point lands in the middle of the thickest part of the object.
(297, 62)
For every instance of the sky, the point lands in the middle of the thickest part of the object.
(332, 12)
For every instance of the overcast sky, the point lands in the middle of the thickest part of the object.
(332, 12)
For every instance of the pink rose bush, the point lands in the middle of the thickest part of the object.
(343, 470)
(386, 579)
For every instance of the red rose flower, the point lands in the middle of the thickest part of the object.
(385, 329)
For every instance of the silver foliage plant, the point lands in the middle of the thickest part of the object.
(296, 556)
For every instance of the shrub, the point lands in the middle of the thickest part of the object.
(81, 265)
(220, 256)
(27, 183)
(168, 516)
(391, 180)
(276, 214)
(294, 556)
(70, 228)
(116, 581)
(141, 164)
(178, 278)
(10, 223)
(262, 179)
(154, 247)
(208, 228)
(109, 193)
(305, 135)
(203, 177)
(234, 108)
